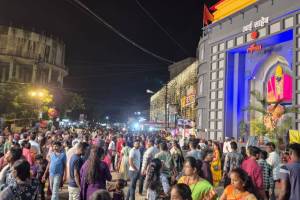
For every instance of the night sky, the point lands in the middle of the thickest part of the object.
(110, 73)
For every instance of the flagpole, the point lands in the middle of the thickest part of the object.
(203, 20)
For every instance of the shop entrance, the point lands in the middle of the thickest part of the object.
(248, 71)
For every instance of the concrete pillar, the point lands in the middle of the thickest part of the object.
(34, 69)
(11, 69)
(3, 74)
(49, 74)
(60, 77)
(17, 72)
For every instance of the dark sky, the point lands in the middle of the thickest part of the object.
(110, 73)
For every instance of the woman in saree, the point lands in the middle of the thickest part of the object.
(216, 169)
(201, 188)
(177, 157)
(241, 187)
(93, 174)
(124, 166)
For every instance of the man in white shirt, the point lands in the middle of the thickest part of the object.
(134, 169)
(148, 156)
(69, 155)
(34, 145)
(273, 160)
(194, 152)
(226, 146)
(181, 142)
(112, 150)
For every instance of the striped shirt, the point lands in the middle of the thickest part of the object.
(267, 174)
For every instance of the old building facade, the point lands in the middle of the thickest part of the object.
(29, 57)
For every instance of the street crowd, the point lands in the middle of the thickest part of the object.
(35, 164)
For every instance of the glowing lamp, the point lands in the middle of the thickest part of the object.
(40, 94)
(254, 35)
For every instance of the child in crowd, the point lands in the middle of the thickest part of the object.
(157, 184)
(101, 195)
(285, 158)
(117, 190)
(40, 166)
(181, 191)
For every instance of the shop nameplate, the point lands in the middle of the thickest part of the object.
(254, 48)
(256, 24)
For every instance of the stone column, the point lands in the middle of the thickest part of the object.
(3, 74)
(61, 82)
(17, 71)
(60, 78)
(34, 69)
(11, 69)
(49, 74)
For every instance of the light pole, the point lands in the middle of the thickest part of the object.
(107, 120)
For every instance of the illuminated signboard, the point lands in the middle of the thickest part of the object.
(188, 100)
(253, 48)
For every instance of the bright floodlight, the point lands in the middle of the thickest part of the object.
(149, 91)
(136, 126)
(40, 94)
(142, 119)
(33, 93)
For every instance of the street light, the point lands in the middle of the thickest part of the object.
(149, 91)
(107, 121)
(32, 93)
(41, 94)
(38, 94)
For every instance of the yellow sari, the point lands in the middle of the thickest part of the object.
(216, 168)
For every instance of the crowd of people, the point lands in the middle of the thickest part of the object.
(35, 164)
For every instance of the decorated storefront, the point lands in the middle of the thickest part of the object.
(249, 68)
(176, 102)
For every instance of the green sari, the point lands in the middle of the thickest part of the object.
(202, 190)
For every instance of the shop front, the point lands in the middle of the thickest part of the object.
(254, 50)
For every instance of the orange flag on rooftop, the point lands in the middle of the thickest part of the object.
(207, 16)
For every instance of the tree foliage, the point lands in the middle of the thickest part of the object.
(69, 102)
(257, 125)
(17, 101)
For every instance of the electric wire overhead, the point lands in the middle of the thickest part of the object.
(161, 27)
(99, 19)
